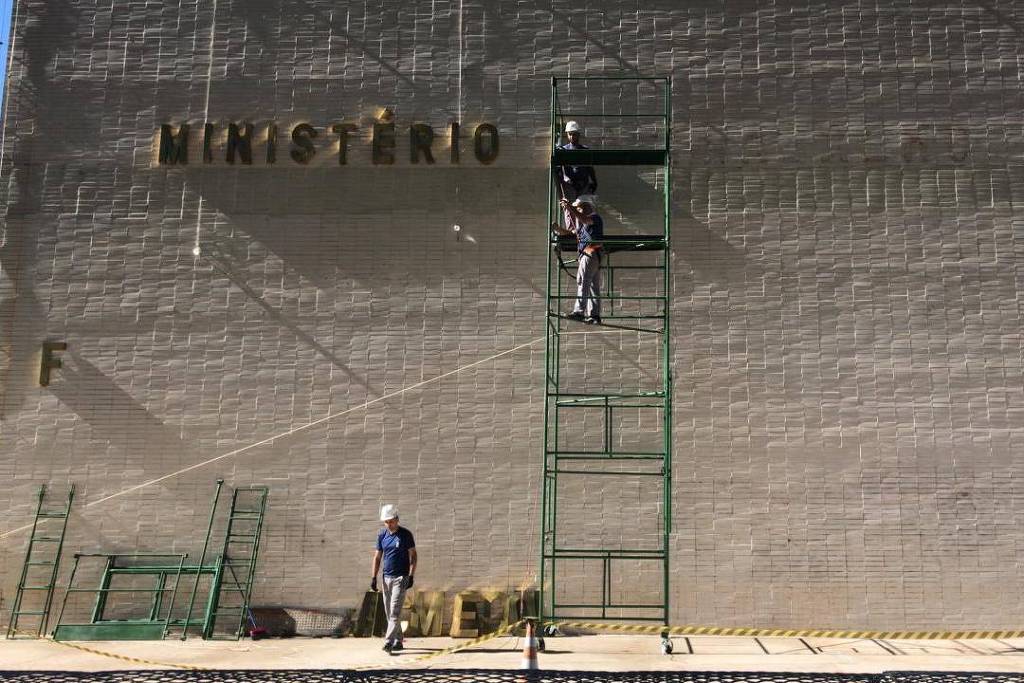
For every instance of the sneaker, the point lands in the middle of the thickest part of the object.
(593, 320)
(387, 647)
(397, 646)
(575, 315)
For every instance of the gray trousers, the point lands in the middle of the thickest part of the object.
(588, 286)
(394, 596)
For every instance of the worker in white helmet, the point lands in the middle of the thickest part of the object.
(575, 181)
(396, 549)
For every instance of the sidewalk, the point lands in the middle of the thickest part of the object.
(571, 653)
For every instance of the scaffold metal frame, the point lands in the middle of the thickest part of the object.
(561, 462)
(227, 579)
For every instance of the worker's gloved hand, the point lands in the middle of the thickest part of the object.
(408, 582)
(373, 584)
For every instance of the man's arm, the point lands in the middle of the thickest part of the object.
(412, 561)
(376, 563)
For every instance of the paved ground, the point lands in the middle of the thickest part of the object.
(580, 653)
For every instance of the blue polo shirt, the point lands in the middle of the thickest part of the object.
(589, 233)
(395, 548)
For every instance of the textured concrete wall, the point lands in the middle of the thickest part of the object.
(848, 360)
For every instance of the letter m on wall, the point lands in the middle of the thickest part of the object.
(173, 148)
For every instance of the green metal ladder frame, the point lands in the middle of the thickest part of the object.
(557, 400)
(139, 564)
(161, 620)
(248, 539)
(53, 563)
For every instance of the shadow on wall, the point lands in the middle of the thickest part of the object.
(294, 17)
(113, 413)
(221, 261)
(50, 27)
(711, 258)
(374, 224)
(1003, 18)
(47, 29)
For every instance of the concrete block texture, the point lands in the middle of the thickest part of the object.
(846, 221)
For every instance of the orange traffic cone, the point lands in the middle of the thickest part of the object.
(530, 650)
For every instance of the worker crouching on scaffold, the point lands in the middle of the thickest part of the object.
(586, 225)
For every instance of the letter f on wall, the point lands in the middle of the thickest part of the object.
(49, 361)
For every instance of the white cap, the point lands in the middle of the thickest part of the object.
(587, 199)
(572, 127)
(387, 512)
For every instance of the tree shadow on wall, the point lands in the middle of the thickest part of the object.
(31, 95)
(113, 413)
(48, 29)
(292, 15)
(222, 263)
(1004, 19)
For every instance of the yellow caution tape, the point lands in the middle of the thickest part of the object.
(784, 633)
(113, 655)
(188, 667)
(504, 630)
(133, 660)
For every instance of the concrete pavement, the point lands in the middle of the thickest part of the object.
(580, 653)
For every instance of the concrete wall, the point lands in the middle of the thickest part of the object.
(847, 222)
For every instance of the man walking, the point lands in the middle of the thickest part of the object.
(583, 221)
(397, 548)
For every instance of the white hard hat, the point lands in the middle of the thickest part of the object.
(388, 512)
(572, 127)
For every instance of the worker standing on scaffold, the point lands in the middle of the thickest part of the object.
(575, 181)
(576, 188)
(584, 223)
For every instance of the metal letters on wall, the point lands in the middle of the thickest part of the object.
(173, 147)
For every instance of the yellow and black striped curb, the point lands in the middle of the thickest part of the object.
(783, 632)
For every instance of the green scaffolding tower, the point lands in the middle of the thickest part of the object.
(626, 433)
